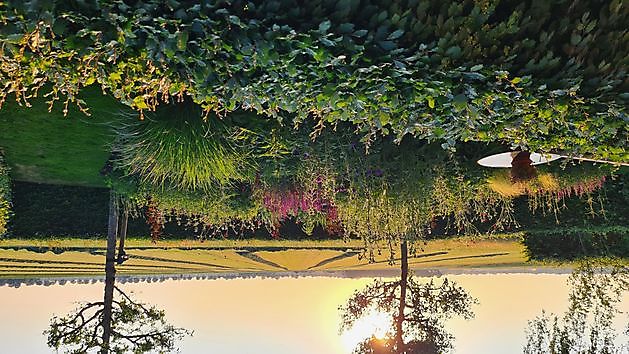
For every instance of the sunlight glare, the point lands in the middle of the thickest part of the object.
(374, 324)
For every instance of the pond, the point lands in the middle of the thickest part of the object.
(287, 312)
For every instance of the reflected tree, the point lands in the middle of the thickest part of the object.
(597, 288)
(118, 324)
(134, 327)
(417, 311)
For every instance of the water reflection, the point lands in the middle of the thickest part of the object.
(597, 289)
(416, 313)
(118, 324)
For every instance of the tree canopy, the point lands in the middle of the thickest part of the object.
(548, 75)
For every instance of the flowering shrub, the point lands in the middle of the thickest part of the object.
(309, 208)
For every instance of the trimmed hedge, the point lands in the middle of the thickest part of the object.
(5, 196)
(571, 243)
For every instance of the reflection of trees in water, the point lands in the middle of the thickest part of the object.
(117, 324)
(417, 312)
(597, 288)
(134, 327)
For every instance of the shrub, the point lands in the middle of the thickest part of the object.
(5, 196)
(572, 243)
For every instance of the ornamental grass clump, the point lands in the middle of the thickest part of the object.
(178, 147)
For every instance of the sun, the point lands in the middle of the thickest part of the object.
(373, 324)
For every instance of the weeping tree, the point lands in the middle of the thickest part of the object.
(597, 287)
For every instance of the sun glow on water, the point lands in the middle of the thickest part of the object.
(374, 324)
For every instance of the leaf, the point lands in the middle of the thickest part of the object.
(346, 27)
(387, 45)
(360, 33)
(182, 40)
(139, 103)
(234, 19)
(454, 51)
(460, 101)
(395, 35)
(325, 26)
(476, 67)
(431, 102)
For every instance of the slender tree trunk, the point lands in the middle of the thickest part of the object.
(403, 285)
(122, 232)
(110, 271)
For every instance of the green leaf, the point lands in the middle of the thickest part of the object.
(476, 67)
(139, 102)
(325, 26)
(431, 102)
(395, 35)
(182, 40)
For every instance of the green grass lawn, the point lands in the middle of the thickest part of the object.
(47, 147)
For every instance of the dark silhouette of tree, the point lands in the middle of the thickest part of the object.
(118, 324)
(133, 327)
(597, 287)
(417, 312)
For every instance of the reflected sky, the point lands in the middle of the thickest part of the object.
(285, 315)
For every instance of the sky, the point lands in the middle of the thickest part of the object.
(285, 315)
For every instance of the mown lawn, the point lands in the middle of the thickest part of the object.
(46, 147)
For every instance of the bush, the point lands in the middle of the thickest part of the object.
(571, 243)
(5, 196)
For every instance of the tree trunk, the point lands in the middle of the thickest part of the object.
(122, 232)
(110, 271)
(403, 285)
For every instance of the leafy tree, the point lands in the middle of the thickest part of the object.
(597, 287)
(417, 312)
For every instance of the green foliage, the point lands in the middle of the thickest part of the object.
(574, 243)
(176, 147)
(540, 76)
(596, 291)
(5, 195)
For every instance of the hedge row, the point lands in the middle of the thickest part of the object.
(5, 195)
(572, 243)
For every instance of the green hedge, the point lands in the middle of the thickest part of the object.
(5, 196)
(572, 243)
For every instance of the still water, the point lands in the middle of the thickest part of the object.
(283, 314)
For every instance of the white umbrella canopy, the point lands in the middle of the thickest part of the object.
(504, 159)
